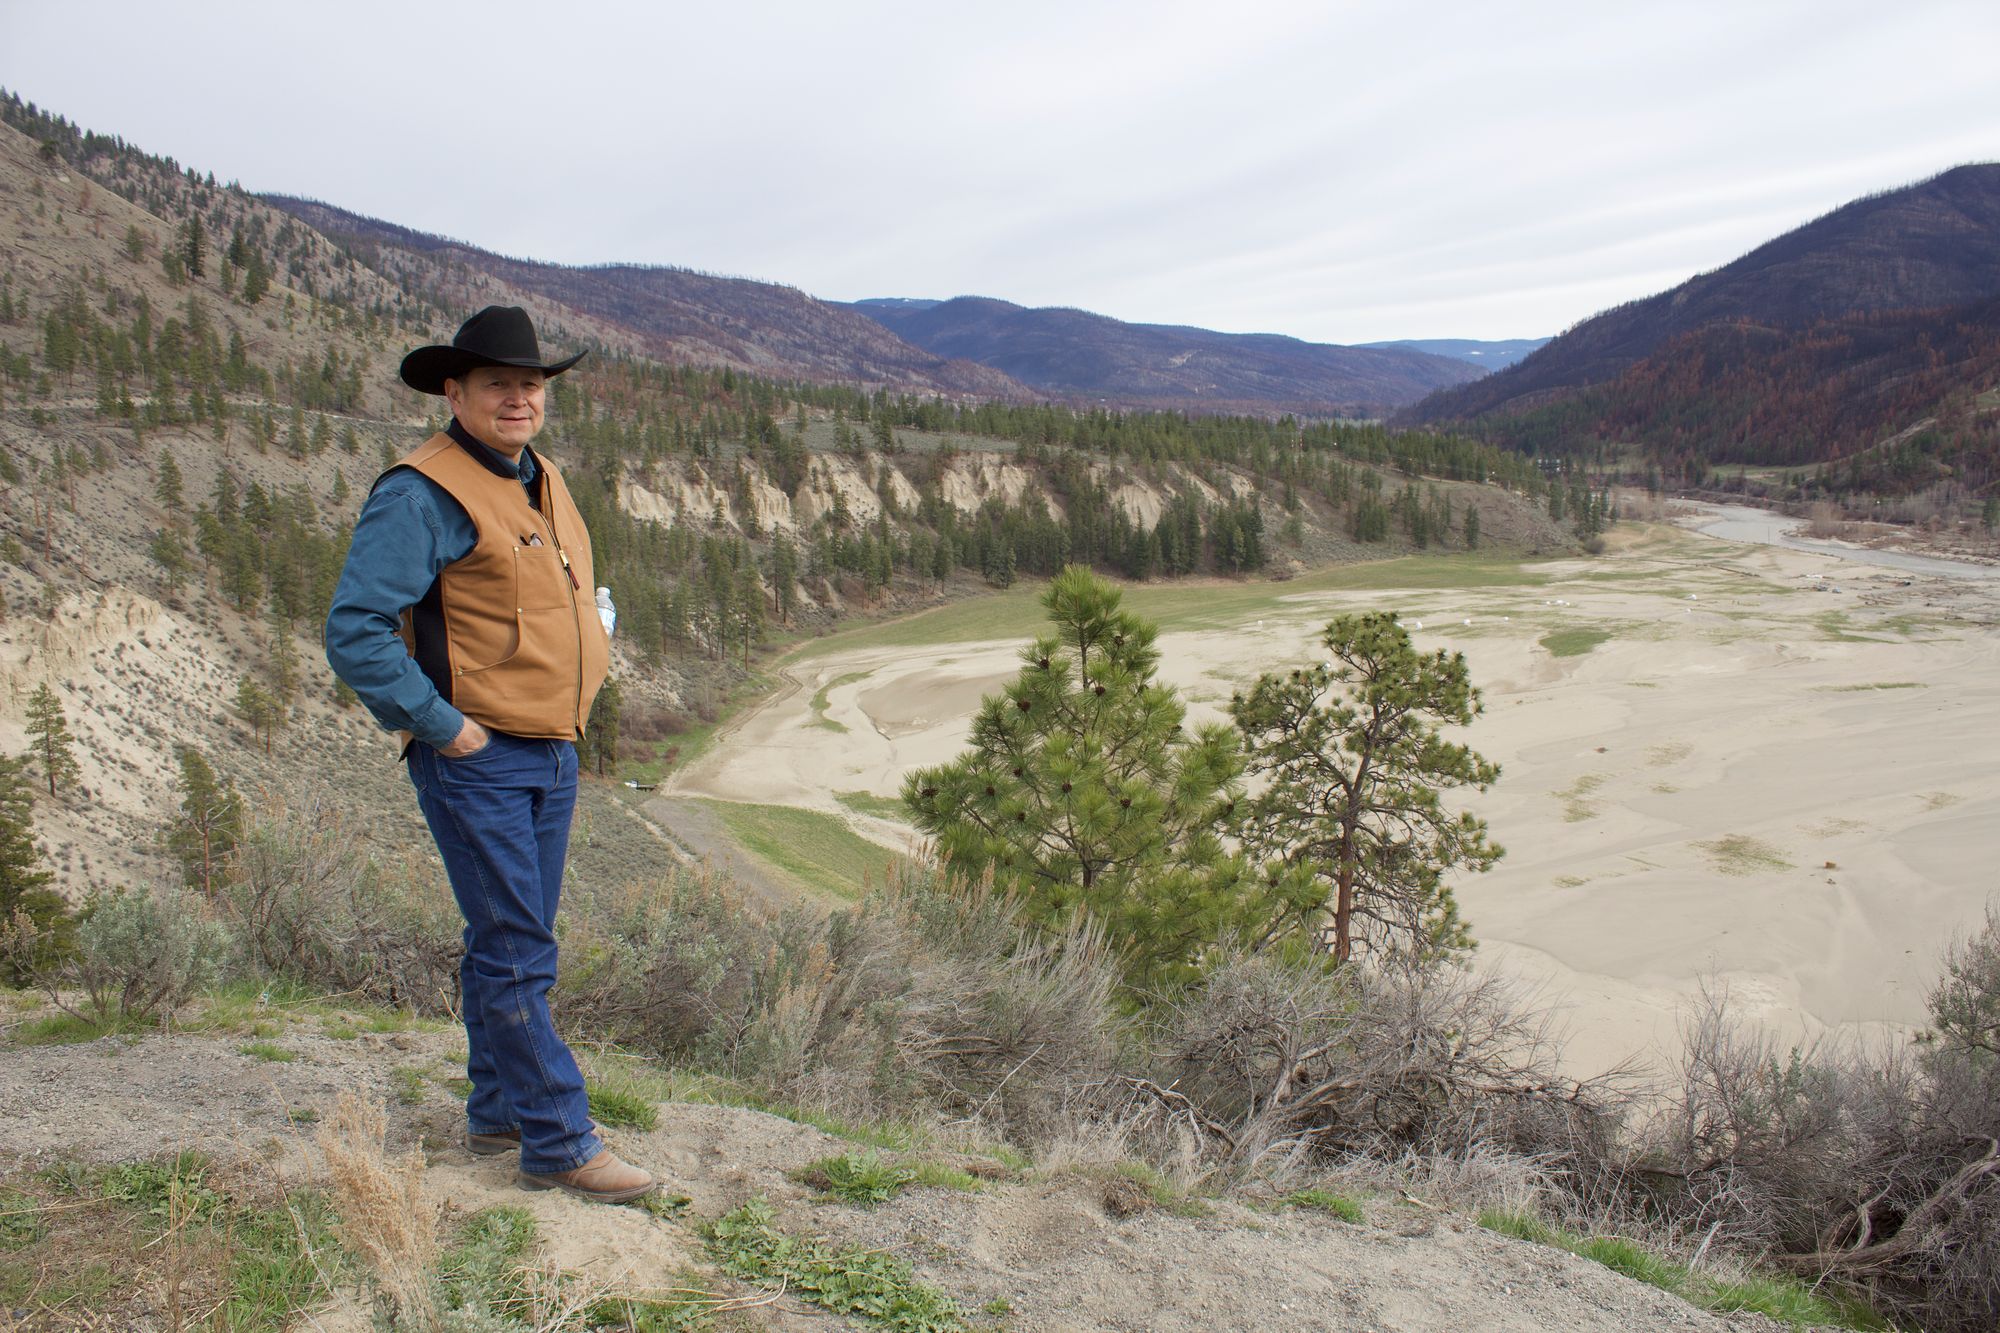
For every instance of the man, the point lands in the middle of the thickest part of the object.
(464, 620)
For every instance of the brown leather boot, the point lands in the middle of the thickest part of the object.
(603, 1179)
(492, 1145)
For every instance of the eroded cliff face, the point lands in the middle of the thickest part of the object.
(857, 483)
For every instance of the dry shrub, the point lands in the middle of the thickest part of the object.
(141, 952)
(1825, 521)
(1751, 1130)
(384, 1217)
(309, 903)
(652, 722)
(674, 967)
(1877, 1168)
(1965, 1003)
(1270, 1058)
(926, 996)
(1087, 1142)
(1475, 1178)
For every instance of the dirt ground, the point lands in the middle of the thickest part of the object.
(1046, 1245)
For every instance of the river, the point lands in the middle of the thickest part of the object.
(1765, 527)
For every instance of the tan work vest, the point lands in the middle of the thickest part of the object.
(525, 651)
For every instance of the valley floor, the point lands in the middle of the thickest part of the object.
(1721, 763)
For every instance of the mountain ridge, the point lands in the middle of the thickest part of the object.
(682, 314)
(1861, 349)
(1064, 350)
(1931, 245)
(1488, 353)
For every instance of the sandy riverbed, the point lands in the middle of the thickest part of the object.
(1780, 770)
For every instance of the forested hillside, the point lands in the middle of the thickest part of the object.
(1862, 349)
(1486, 354)
(1890, 403)
(673, 314)
(1931, 246)
(1074, 354)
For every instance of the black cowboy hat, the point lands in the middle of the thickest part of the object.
(499, 335)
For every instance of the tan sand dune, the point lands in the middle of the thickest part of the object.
(1775, 769)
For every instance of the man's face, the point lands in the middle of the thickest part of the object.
(500, 405)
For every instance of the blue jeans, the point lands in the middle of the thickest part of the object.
(501, 818)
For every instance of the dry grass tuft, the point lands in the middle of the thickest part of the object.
(1083, 1142)
(384, 1216)
(1125, 1197)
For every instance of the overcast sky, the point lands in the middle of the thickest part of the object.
(1342, 172)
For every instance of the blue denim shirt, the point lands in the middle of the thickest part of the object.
(409, 529)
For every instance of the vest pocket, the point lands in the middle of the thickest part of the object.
(540, 582)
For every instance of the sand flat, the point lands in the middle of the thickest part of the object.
(1777, 770)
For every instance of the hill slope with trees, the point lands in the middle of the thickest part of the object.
(1079, 355)
(681, 315)
(1865, 344)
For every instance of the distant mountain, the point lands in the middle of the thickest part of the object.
(895, 303)
(677, 314)
(1488, 355)
(1079, 355)
(1930, 246)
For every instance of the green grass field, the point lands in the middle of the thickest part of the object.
(817, 849)
(868, 803)
(819, 701)
(1574, 642)
(1208, 604)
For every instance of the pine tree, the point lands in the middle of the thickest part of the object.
(167, 490)
(1349, 833)
(600, 737)
(256, 279)
(284, 659)
(209, 823)
(784, 577)
(194, 246)
(36, 927)
(1083, 795)
(169, 552)
(255, 706)
(49, 738)
(746, 609)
